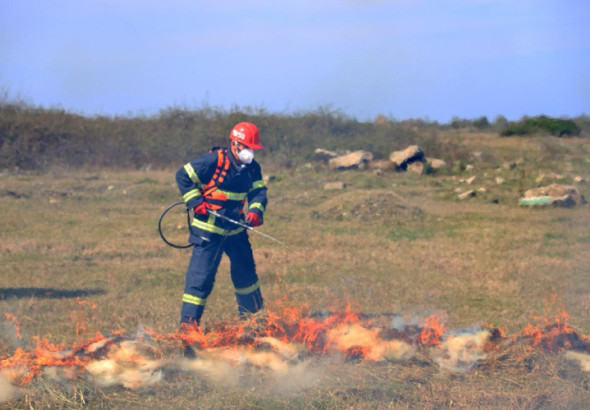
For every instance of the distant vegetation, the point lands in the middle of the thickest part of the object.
(36, 138)
(543, 124)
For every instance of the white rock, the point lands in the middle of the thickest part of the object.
(499, 180)
(469, 168)
(466, 195)
(331, 186)
(470, 180)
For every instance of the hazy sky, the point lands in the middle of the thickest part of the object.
(405, 58)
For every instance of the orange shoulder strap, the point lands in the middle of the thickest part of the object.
(219, 174)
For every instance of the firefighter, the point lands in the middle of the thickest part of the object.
(222, 180)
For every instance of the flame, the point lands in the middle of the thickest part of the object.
(432, 331)
(554, 335)
(279, 342)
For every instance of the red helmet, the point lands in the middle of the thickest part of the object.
(247, 134)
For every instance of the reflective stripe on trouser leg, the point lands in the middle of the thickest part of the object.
(200, 277)
(243, 273)
(249, 302)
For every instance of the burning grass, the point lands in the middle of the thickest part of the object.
(281, 345)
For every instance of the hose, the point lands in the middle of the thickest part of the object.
(188, 219)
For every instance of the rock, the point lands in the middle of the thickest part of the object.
(466, 195)
(477, 154)
(499, 180)
(321, 154)
(509, 165)
(382, 164)
(579, 180)
(482, 190)
(111, 187)
(268, 178)
(378, 172)
(554, 194)
(308, 165)
(471, 180)
(520, 161)
(469, 168)
(53, 201)
(331, 186)
(411, 154)
(436, 163)
(416, 167)
(458, 190)
(353, 160)
(494, 201)
(540, 179)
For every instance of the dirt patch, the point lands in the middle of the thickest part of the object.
(367, 206)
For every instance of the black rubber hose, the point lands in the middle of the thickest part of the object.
(188, 220)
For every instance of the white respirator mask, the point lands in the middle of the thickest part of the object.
(246, 155)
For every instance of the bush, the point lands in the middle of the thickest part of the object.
(543, 124)
(36, 138)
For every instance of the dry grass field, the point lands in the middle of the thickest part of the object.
(80, 254)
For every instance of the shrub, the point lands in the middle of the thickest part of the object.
(543, 124)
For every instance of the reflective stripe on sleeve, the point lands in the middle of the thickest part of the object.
(256, 205)
(258, 184)
(193, 300)
(248, 290)
(191, 173)
(191, 194)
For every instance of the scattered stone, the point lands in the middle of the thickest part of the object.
(332, 186)
(461, 180)
(53, 201)
(111, 187)
(520, 161)
(477, 154)
(469, 168)
(124, 192)
(482, 190)
(353, 160)
(471, 180)
(308, 165)
(321, 154)
(540, 179)
(411, 154)
(566, 196)
(378, 172)
(494, 201)
(458, 190)
(579, 180)
(509, 165)
(268, 178)
(416, 167)
(499, 180)
(382, 164)
(466, 195)
(436, 163)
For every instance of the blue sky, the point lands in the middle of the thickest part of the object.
(404, 58)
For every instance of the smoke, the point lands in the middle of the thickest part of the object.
(127, 367)
(366, 342)
(583, 359)
(459, 353)
(7, 390)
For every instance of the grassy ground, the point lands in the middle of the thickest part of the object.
(80, 253)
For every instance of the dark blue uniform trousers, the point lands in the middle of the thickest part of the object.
(202, 268)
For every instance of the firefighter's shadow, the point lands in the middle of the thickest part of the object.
(46, 293)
